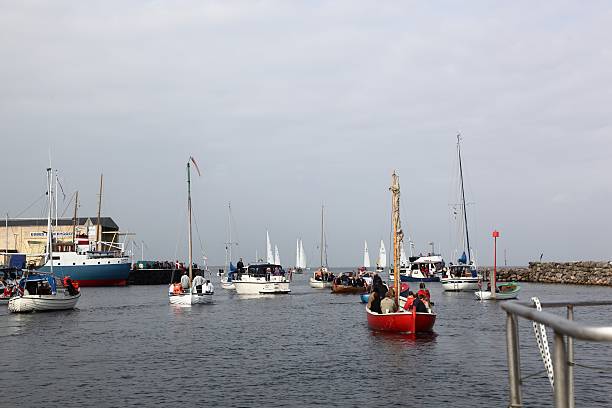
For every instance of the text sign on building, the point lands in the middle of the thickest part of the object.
(56, 234)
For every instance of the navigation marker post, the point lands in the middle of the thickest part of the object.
(493, 278)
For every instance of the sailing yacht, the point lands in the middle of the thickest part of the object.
(322, 278)
(462, 276)
(201, 293)
(230, 269)
(43, 291)
(300, 257)
(366, 257)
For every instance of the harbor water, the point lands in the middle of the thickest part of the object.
(126, 346)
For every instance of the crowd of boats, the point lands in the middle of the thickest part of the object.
(67, 266)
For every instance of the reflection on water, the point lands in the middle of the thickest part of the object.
(128, 346)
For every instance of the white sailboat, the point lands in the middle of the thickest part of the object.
(276, 256)
(322, 278)
(42, 291)
(269, 254)
(462, 276)
(381, 263)
(302, 256)
(195, 294)
(366, 256)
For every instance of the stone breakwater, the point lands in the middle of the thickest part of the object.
(575, 273)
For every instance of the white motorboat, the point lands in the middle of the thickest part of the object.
(191, 295)
(262, 278)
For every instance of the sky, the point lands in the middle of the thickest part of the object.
(290, 105)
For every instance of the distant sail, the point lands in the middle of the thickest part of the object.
(276, 256)
(403, 258)
(366, 256)
(382, 255)
(298, 257)
(269, 255)
(302, 256)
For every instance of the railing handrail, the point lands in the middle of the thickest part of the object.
(546, 305)
(560, 324)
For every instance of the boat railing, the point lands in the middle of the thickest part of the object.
(565, 331)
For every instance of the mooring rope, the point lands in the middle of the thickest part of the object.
(540, 334)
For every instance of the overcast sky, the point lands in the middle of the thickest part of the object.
(287, 105)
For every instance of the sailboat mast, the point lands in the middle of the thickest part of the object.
(74, 220)
(56, 180)
(467, 234)
(98, 231)
(396, 232)
(322, 243)
(190, 249)
(49, 224)
(229, 225)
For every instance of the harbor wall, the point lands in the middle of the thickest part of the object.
(575, 273)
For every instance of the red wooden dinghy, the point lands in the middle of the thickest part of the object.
(401, 322)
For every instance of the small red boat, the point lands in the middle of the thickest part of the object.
(401, 322)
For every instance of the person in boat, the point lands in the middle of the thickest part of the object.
(409, 300)
(208, 288)
(240, 265)
(374, 303)
(185, 281)
(379, 286)
(198, 282)
(423, 291)
(177, 288)
(388, 304)
(420, 305)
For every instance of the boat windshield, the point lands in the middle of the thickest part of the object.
(265, 269)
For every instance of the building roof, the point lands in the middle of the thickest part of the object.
(106, 222)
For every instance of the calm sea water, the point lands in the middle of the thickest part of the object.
(129, 347)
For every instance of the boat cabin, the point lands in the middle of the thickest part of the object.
(462, 271)
(260, 270)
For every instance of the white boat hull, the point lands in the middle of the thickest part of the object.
(459, 284)
(261, 287)
(43, 303)
(317, 284)
(487, 295)
(188, 299)
(228, 285)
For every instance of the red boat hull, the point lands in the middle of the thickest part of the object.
(401, 322)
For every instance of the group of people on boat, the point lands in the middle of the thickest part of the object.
(324, 276)
(350, 280)
(200, 285)
(382, 299)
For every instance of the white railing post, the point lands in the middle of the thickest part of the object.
(570, 361)
(560, 370)
(514, 361)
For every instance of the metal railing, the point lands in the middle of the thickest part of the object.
(563, 352)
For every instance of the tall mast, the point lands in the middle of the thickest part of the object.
(322, 243)
(98, 231)
(467, 234)
(49, 224)
(229, 225)
(74, 220)
(6, 256)
(189, 219)
(397, 231)
(56, 180)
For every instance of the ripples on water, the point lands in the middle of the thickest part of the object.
(129, 347)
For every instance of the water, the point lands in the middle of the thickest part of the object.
(129, 347)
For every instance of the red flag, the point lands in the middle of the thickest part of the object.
(195, 165)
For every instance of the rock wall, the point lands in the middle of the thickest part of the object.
(576, 273)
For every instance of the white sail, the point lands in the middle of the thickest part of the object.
(366, 256)
(269, 255)
(302, 256)
(276, 256)
(403, 258)
(298, 258)
(382, 255)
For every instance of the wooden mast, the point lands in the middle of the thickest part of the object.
(98, 231)
(397, 231)
(189, 219)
